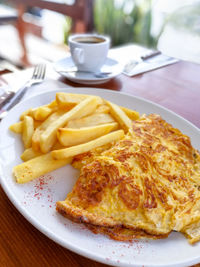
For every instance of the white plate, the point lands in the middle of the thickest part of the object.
(111, 65)
(38, 206)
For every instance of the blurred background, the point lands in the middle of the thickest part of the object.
(36, 30)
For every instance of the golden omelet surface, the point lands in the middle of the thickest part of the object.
(146, 185)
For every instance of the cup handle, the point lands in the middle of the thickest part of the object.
(79, 55)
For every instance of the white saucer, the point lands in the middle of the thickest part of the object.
(111, 65)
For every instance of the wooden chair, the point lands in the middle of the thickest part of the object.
(10, 16)
(81, 13)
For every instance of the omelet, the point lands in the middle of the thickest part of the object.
(146, 185)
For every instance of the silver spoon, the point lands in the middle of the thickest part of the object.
(99, 74)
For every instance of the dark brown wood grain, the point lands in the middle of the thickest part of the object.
(176, 87)
(21, 244)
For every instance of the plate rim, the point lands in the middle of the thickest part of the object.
(92, 80)
(60, 240)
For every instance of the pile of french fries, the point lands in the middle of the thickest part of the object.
(70, 125)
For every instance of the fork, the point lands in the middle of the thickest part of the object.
(37, 77)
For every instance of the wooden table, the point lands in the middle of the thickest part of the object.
(176, 87)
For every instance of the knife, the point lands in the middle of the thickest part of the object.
(5, 97)
(13, 100)
(134, 67)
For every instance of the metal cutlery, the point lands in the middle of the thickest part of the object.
(5, 97)
(132, 63)
(146, 64)
(99, 74)
(37, 77)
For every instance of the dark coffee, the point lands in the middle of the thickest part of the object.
(89, 40)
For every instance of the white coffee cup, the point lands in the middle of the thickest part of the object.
(89, 51)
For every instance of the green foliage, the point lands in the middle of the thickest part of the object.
(67, 29)
(125, 21)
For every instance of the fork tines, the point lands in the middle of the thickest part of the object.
(39, 71)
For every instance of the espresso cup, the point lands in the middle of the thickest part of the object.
(89, 51)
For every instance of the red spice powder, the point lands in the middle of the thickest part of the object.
(41, 190)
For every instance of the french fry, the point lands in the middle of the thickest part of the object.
(30, 153)
(25, 113)
(102, 109)
(68, 100)
(57, 145)
(92, 120)
(120, 116)
(132, 114)
(41, 113)
(16, 127)
(71, 137)
(37, 124)
(27, 131)
(36, 139)
(53, 104)
(68, 126)
(38, 131)
(79, 149)
(48, 137)
(36, 167)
